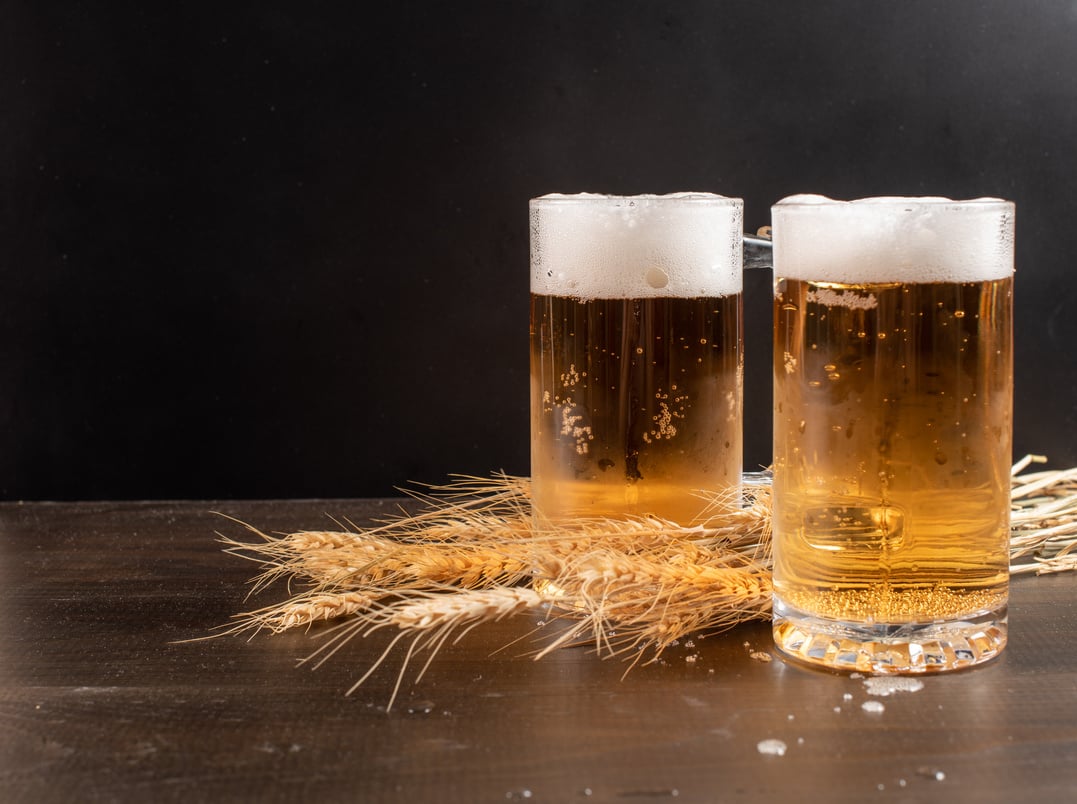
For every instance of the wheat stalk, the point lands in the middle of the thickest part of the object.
(431, 620)
(304, 611)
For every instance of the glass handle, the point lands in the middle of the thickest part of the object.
(757, 251)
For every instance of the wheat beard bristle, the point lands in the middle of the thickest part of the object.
(430, 620)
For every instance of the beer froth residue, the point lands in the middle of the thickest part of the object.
(888, 685)
(874, 240)
(681, 245)
(853, 301)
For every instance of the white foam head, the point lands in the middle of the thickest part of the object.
(682, 245)
(892, 239)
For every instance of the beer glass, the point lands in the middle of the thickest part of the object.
(636, 354)
(893, 385)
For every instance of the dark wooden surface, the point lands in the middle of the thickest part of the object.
(99, 702)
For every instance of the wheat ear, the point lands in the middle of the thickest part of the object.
(431, 620)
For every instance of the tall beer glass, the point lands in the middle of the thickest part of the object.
(636, 354)
(893, 385)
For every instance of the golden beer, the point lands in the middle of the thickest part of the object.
(636, 355)
(892, 431)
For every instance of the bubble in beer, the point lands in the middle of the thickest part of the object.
(657, 278)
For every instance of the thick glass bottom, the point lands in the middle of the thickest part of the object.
(880, 649)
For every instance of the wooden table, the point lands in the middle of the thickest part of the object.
(101, 703)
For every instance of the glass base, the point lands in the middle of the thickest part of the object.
(882, 649)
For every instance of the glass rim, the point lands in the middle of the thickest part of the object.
(611, 200)
(890, 202)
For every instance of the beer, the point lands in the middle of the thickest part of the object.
(636, 404)
(636, 355)
(892, 432)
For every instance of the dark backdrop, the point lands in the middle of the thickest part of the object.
(279, 249)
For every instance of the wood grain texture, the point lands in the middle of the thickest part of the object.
(100, 702)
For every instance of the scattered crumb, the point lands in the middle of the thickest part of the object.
(771, 747)
(875, 707)
(847, 696)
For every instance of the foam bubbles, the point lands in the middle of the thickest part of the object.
(888, 685)
(681, 245)
(892, 239)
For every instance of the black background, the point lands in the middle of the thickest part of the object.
(280, 249)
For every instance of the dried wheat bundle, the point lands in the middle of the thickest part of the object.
(1043, 535)
(473, 553)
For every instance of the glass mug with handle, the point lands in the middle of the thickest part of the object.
(636, 355)
(893, 386)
